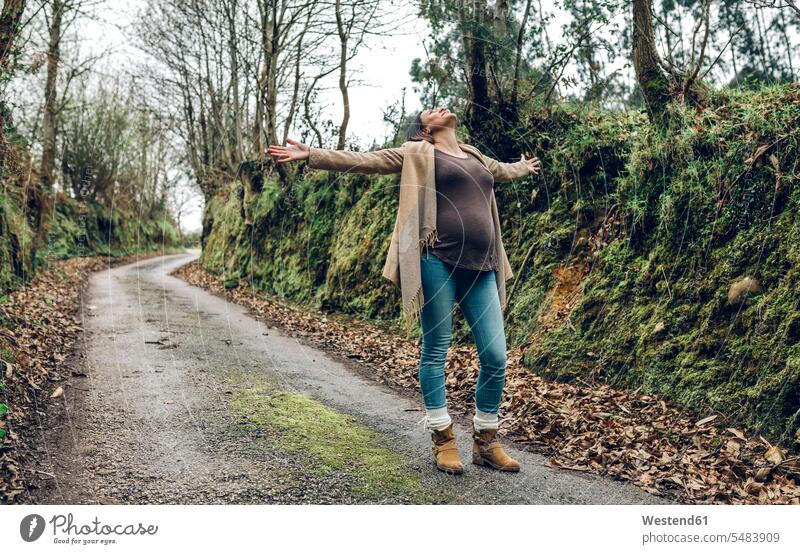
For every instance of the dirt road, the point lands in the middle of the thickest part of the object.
(177, 396)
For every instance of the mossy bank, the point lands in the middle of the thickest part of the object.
(39, 226)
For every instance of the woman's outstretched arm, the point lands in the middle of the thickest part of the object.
(509, 172)
(384, 161)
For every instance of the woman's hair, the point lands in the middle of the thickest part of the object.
(414, 131)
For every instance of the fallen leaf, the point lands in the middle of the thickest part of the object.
(774, 455)
(706, 420)
(739, 434)
(762, 474)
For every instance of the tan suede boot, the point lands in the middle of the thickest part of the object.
(487, 450)
(445, 451)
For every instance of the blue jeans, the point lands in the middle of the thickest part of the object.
(476, 293)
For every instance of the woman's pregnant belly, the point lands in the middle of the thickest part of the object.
(467, 229)
(464, 222)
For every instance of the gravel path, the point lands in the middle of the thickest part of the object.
(149, 415)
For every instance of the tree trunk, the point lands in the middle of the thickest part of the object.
(10, 18)
(262, 80)
(233, 52)
(9, 23)
(518, 55)
(308, 117)
(479, 108)
(50, 98)
(652, 79)
(266, 118)
(342, 76)
(287, 125)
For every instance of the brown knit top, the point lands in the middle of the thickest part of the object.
(464, 221)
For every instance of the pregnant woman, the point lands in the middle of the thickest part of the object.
(445, 248)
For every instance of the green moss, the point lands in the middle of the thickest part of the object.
(17, 243)
(59, 227)
(329, 440)
(698, 217)
(316, 241)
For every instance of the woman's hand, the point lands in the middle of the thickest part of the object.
(296, 151)
(533, 163)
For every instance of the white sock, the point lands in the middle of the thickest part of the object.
(485, 420)
(438, 418)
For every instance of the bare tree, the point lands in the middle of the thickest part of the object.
(473, 26)
(696, 61)
(793, 4)
(662, 81)
(10, 19)
(518, 54)
(60, 16)
(647, 62)
(246, 73)
(227, 64)
(278, 22)
(354, 25)
(54, 27)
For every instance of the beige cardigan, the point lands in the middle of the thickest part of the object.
(415, 225)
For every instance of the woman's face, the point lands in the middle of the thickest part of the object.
(438, 117)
